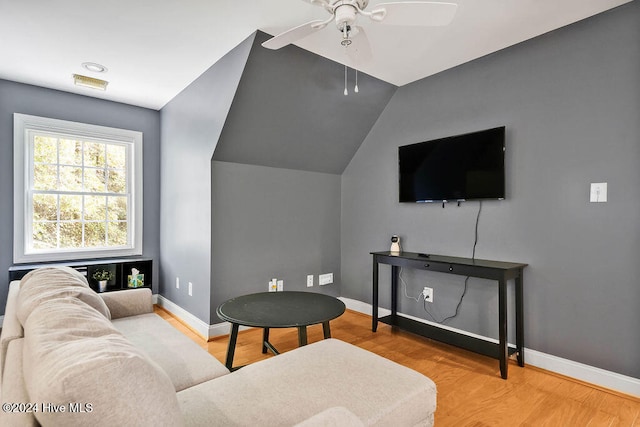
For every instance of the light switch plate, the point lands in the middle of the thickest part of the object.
(598, 192)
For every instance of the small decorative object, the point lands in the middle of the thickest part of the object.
(102, 277)
(395, 245)
(135, 279)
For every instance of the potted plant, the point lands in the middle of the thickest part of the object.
(102, 277)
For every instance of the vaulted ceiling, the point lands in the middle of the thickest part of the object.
(153, 50)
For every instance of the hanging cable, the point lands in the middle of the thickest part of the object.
(404, 285)
(466, 280)
(473, 258)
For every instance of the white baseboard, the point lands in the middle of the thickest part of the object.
(569, 368)
(199, 326)
(586, 373)
(189, 319)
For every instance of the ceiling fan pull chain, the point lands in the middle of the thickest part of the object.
(355, 89)
(346, 92)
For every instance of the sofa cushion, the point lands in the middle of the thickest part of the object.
(48, 283)
(74, 356)
(296, 385)
(186, 363)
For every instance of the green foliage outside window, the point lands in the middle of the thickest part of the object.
(79, 194)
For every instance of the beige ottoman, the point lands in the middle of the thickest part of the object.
(297, 385)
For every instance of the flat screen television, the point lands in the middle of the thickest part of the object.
(456, 168)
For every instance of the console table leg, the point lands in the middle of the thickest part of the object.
(520, 318)
(233, 338)
(395, 274)
(502, 327)
(374, 303)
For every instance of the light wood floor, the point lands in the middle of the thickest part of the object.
(470, 390)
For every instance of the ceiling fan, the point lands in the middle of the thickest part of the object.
(345, 13)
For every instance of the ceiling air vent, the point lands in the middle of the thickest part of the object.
(90, 82)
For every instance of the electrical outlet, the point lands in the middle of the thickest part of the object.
(177, 283)
(273, 285)
(190, 289)
(325, 279)
(309, 280)
(427, 294)
(280, 285)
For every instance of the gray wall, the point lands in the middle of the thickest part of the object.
(37, 101)
(570, 101)
(191, 126)
(290, 111)
(273, 223)
(257, 107)
(289, 134)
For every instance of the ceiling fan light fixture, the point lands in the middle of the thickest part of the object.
(346, 35)
(90, 82)
(345, 14)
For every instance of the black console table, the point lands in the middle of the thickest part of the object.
(486, 269)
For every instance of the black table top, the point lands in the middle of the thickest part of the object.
(498, 265)
(287, 309)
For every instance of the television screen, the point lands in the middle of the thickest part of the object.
(462, 167)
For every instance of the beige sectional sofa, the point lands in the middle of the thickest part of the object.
(71, 357)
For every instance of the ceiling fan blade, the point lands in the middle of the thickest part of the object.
(414, 13)
(322, 3)
(325, 4)
(360, 49)
(294, 34)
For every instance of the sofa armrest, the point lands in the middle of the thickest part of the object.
(14, 389)
(11, 327)
(127, 303)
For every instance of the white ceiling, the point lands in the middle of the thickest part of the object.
(155, 48)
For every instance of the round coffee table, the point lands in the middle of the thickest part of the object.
(278, 310)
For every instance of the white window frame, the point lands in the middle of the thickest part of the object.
(23, 125)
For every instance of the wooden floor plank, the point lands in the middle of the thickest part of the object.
(470, 390)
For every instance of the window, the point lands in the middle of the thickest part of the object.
(77, 190)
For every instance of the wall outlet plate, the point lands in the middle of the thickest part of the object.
(427, 294)
(325, 279)
(309, 280)
(598, 192)
(280, 286)
(190, 289)
(273, 285)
